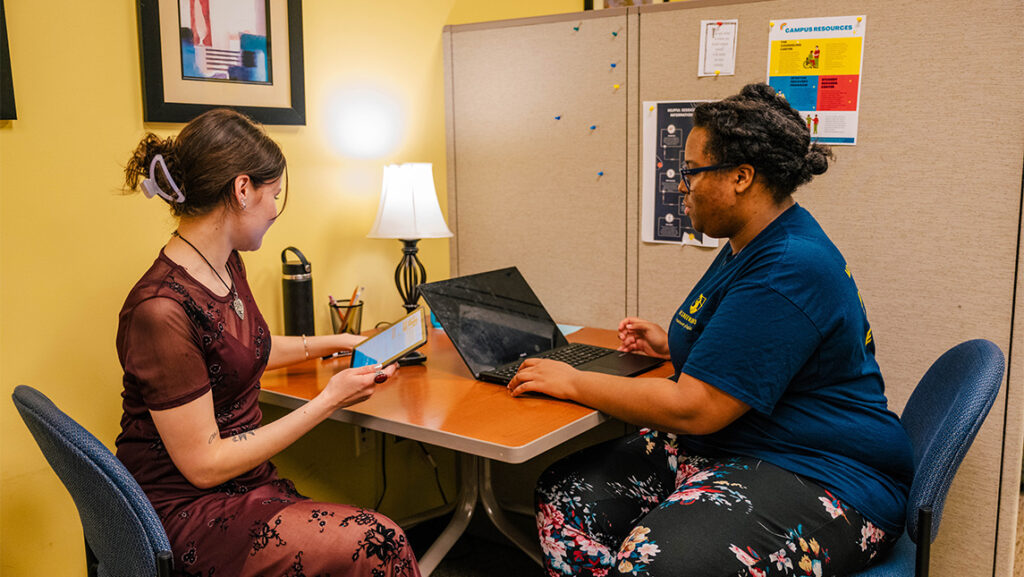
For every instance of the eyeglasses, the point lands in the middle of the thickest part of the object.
(685, 173)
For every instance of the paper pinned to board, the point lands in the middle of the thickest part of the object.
(816, 64)
(662, 218)
(717, 47)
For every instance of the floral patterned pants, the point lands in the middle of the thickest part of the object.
(639, 506)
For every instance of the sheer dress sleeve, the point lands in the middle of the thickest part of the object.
(164, 355)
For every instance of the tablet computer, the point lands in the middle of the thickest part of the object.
(394, 342)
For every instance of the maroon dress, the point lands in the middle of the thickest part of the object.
(177, 341)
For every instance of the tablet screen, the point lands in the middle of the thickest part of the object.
(393, 342)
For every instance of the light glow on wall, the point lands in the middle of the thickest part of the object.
(365, 122)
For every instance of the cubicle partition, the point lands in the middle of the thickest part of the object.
(545, 117)
(530, 130)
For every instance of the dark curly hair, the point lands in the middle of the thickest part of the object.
(208, 154)
(758, 127)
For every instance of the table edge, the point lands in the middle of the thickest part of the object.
(448, 440)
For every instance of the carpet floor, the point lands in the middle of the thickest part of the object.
(481, 551)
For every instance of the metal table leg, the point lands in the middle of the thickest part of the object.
(464, 506)
(475, 484)
(527, 544)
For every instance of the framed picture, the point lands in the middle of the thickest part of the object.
(203, 54)
(7, 109)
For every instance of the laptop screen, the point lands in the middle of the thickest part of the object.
(492, 318)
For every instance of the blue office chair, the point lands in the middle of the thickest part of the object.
(123, 535)
(942, 418)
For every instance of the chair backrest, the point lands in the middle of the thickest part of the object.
(120, 525)
(942, 417)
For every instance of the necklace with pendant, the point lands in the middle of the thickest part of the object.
(236, 302)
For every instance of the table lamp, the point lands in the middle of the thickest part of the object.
(409, 211)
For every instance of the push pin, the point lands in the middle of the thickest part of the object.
(615, 34)
(718, 23)
(559, 117)
(651, 109)
(576, 28)
(771, 25)
(593, 127)
(615, 86)
(600, 173)
(613, 65)
(859, 19)
(717, 72)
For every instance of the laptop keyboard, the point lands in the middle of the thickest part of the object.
(573, 354)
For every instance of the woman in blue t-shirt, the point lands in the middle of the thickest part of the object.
(771, 451)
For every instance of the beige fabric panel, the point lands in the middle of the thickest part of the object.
(633, 156)
(527, 190)
(449, 126)
(1009, 541)
(932, 248)
(926, 208)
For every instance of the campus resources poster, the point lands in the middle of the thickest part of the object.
(816, 63)
(666, 125)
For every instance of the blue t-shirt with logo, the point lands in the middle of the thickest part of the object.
(781, 326)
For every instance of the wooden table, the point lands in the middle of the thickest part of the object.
(440, 403)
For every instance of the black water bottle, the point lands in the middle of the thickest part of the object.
(297, 290)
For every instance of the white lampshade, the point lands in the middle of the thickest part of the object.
(408, 204)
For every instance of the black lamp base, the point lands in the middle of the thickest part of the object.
(409, 274)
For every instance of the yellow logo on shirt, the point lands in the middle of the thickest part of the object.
(697, 304)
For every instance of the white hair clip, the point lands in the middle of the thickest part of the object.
(150, 188)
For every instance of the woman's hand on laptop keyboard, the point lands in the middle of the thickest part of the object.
(552, 378)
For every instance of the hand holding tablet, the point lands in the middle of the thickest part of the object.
(389, 345)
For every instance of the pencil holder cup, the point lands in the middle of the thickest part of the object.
(347, 317)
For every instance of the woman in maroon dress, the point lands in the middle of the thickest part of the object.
(193, 346)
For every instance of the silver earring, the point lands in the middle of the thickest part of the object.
(243, 205)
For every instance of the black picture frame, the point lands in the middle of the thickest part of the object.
(8, 111)
(157, 109)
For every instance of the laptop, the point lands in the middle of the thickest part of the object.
(496, 321)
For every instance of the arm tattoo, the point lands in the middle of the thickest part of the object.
(212, 437)
(243, 436)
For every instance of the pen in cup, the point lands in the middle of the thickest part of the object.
(351, 303)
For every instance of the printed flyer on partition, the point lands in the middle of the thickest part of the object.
(662, 214)
(816, 63)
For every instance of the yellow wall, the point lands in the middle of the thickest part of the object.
(71, 246)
